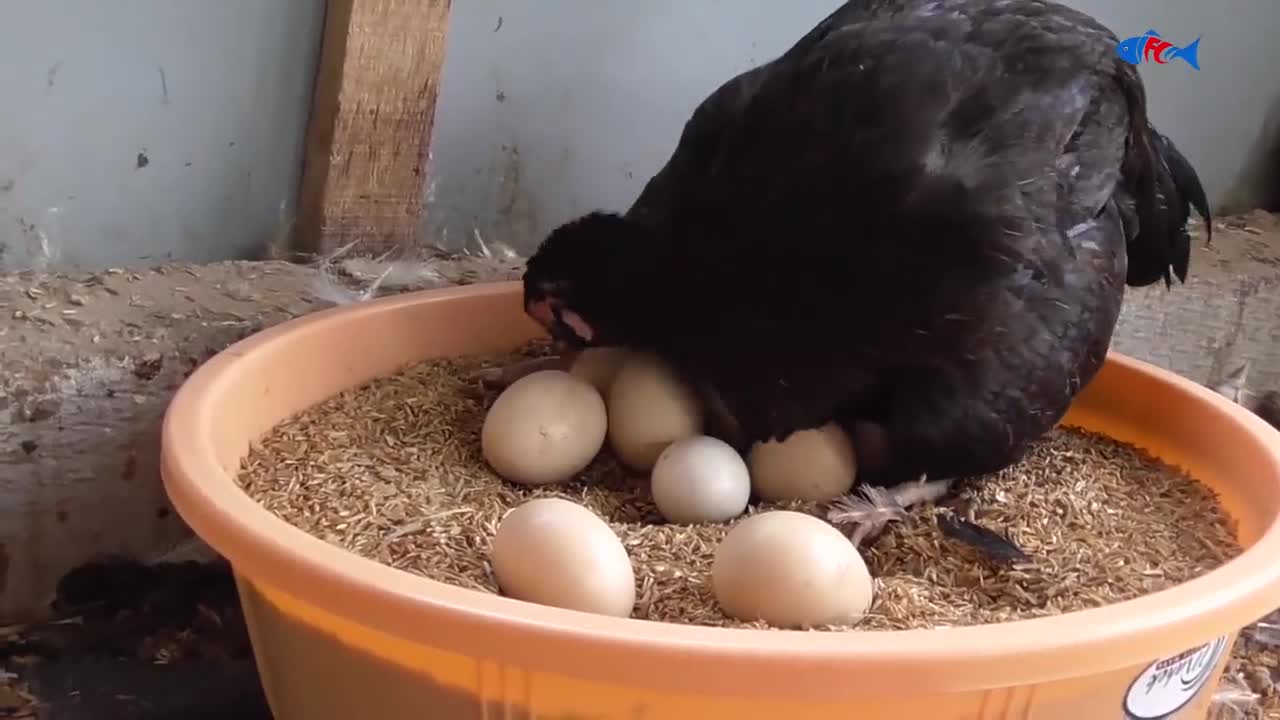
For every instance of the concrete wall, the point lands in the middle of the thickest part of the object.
(150, 128)
(544, 115)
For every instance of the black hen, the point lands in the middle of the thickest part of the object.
(918, 222)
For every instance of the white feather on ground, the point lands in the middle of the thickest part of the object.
(343, 280)
(871, 514)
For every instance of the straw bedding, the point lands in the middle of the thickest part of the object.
(393, 471)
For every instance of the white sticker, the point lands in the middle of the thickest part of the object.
(1166, 686)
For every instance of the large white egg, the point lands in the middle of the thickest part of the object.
(556, 552)
(649, 408)
(544, 428)
(700, 479)
(816, 465)
(791, 570)
(599, 366)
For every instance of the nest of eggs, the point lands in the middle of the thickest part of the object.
(393, 471)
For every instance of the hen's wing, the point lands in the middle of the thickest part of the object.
(891, 164)
(892, 193)
(690, 161)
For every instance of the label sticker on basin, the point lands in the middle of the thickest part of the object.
(1168, 685)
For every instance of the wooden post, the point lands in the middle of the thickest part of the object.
(365, 166)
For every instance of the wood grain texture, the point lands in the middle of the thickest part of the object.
(373, 107)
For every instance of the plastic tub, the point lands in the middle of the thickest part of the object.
(338, 636)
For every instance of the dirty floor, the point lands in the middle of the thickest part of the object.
(134, 642)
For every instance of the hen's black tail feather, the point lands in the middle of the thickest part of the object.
(1185, 193)
(1166, 189)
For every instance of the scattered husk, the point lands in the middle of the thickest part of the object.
(1253, 672)
(393, 471)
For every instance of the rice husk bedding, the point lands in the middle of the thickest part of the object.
(393, 471)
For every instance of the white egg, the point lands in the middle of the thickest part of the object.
(791, 570)
(544, 428)
(649, 408)
(556, 552)
(700, 479)
(599, 366)
(815, 465)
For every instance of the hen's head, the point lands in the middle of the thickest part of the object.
(575, 279)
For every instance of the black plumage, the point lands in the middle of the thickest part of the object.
(917, 222)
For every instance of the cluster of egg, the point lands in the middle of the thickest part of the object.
(787, 568)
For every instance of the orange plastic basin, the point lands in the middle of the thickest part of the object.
(339, 636)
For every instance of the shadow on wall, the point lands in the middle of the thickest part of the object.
(1259, 184)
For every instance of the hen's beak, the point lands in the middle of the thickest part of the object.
(563, 325)
(542, 312)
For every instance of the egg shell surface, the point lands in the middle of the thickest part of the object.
(700, 479)
(544, 428)
(599, 366)
(555, 552)
(649, 408)
(791, 570)
(814, 465)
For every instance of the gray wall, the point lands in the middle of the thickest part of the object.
(150, 128)
(551, 114)
(543, 115)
